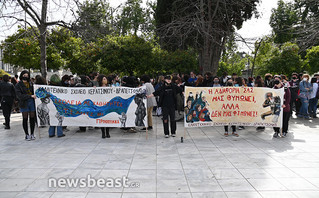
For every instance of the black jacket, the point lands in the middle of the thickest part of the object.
(161, 93)
(7, 90)
(22, 93)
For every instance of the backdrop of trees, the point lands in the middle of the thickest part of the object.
(165, 36)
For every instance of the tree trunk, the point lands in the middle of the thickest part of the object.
(210, 54)
(43, 47)
(43, 50)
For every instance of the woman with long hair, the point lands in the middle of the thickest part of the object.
(25, 94)
(103, 82)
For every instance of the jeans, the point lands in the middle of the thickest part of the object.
(304, 107)
(52, 131)
(313, 106)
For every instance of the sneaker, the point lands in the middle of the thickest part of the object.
(7, 127)
(226, 134)
(235, 134)
(241, 128)
(61, 135)
(143, 129)
(50, 136)
(27, 138)
(275, 135)
(166, 136)
(284, 134)
(150, 128)
(33, 137)
(173, 135)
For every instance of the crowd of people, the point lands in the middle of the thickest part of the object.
(164, 93)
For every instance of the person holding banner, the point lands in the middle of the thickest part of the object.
(54, 81)
(25, 94)
(167, 100)
(229, 83)
(281, 82)
(151, 102)
(102, 80)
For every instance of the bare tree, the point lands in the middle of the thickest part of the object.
(34, 13)
(202, 24)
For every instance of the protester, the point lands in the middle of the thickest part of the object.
(199, 81)
(304, 96)
(7, 93)
(192, 79)
(103, 82)
(15, 107)
(55, 81)
(216, 82)
(167, 100)
(279, 83)
(151, 101)
(83, 83)
(294, 90)
(25, 94)
(229, 83)
(313, 98)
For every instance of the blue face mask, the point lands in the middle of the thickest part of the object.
(236, 85)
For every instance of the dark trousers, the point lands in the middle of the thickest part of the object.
(285, 120)
(285, 123)
(297, 105)
(169, 111)
(6, 105)
(233, 128)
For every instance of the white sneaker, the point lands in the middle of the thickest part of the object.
(166, 136)
(173, 135)
(27, 138)
(33, 137)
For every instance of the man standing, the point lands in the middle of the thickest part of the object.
(167, 100)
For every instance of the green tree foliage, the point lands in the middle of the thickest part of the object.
(278, 60)
(95, 18)
(232, 61)
(131, 17)
(22, 49)
(282, 21)
(125, 54)
(296, 22)
(312, 60)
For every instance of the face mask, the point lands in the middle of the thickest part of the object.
(294, 78)
(25, 78)
(229, 84)
(216, 81)
(236, 85)
(276, 82)
(305, 79)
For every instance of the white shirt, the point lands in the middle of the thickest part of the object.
(314, 90)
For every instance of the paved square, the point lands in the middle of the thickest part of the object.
(206, 164)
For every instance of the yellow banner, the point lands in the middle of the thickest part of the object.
(241, 106)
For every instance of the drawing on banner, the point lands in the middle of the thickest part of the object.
(110, 107)
(123, 119)
(240, 106)
(43, 111)
(140, 110)
(197, 109)
(275, 107)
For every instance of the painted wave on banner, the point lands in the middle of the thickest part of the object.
(87, 107)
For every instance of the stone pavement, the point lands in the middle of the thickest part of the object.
(207, 164)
